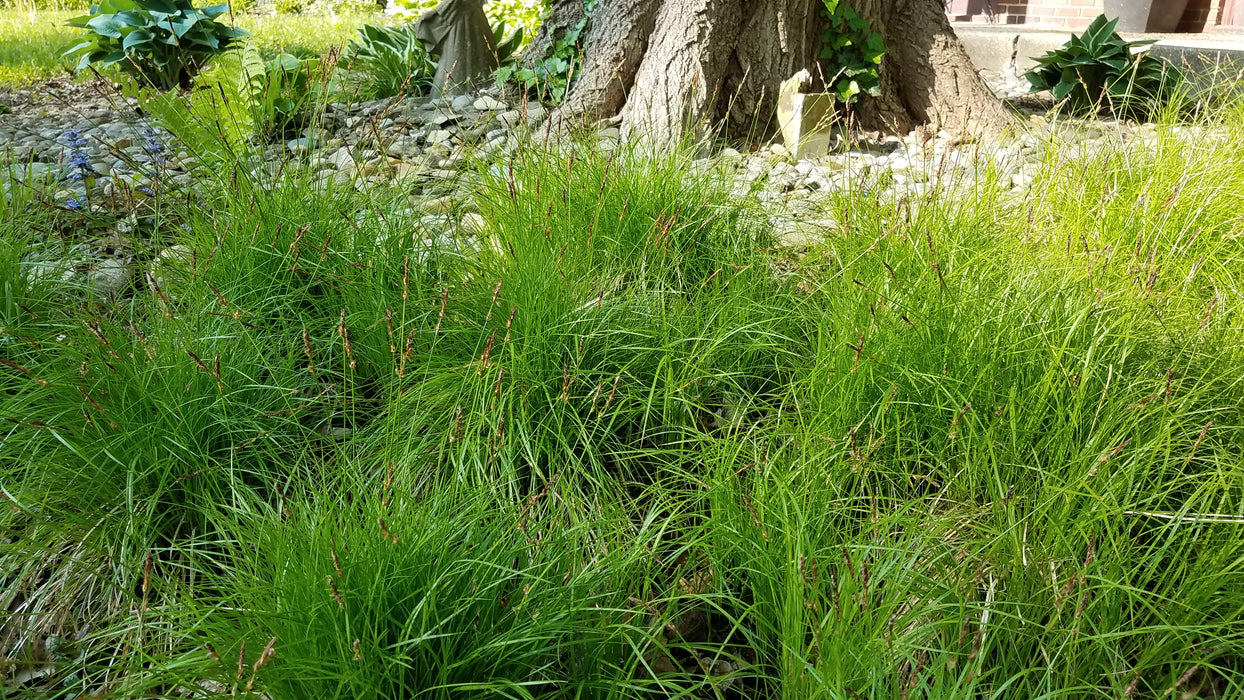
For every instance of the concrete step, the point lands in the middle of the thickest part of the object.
(1010, 49)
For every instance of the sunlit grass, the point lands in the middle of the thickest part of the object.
(306, 35)
(605, 441)
(31, 44)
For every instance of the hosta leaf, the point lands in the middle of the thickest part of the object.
(106, 25)
(79, 47)
(164, 6)
(134, 18)
(182, 26)
(136, 38)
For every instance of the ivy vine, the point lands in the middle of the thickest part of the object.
(851, 52)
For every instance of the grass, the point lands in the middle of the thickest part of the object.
(306, 35)
(32, 41)
(616, 445)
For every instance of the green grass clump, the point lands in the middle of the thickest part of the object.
(588, 434)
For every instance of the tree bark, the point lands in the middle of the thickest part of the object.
(667, 67)
(926, 75)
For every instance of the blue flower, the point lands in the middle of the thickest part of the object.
(75, 202)
(79, 159)
(73, 138)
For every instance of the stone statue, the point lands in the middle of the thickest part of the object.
(458, 32)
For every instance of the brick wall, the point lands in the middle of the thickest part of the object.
(1200, 15)
(1072, 14)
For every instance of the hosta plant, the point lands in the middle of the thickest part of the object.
(387, 61)
(161, 43)
(1099, 70)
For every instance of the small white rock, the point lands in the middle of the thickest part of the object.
(489, 104)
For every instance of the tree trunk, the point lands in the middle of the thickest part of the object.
(926, 76)
(667, 67)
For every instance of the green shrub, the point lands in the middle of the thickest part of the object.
(527, 15)
(162, 43)
(289, 7)
(387, 61)
(1099, 70)
(414, 8)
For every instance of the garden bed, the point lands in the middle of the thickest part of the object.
(421, 398)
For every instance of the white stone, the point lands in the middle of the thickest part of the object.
(510, 119)
(489, 104)
(110, 278)
(341, 159)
